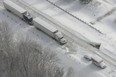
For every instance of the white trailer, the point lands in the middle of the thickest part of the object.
(17, 10)
(98, 61)
(49, 29)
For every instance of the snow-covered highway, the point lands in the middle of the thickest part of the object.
(79, 35)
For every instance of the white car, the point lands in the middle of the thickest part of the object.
(88, 57)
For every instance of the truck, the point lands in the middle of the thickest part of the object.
(49, 29)
(98, 61)
(19, 11)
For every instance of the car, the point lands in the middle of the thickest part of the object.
(88, 57)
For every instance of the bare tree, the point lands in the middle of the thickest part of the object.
(85, 1)
(4, 49)
(26, 59)
(4, 35)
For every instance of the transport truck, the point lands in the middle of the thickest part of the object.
(49, 29)
(98, 61)
(19, 11)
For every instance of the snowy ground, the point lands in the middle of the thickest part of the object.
(80, 67)
(104, 19)
(76, 25)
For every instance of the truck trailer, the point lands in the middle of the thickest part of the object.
(19, 11)
(98, 61)
(49, 29)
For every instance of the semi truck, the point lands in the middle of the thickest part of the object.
(19, 11)
(49, 29)
(37, 22)
(98, 61)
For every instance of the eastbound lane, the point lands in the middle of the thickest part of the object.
(69, 33)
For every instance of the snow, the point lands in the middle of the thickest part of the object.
(75, 60)
(72, 23)
(89, 13)
(23, 31)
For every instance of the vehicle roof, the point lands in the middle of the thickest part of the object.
(45, 24)
(97, 59)
(15, 6)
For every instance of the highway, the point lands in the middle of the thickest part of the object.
(74, 16)
(68, 33)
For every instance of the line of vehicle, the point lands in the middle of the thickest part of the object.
(70, 34)
(59, 25)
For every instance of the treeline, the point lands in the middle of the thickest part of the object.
(23, 58)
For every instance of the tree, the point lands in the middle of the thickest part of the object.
(85, 1)
(24, 58)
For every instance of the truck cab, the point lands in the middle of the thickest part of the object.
(28, 18)
(59, 37)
